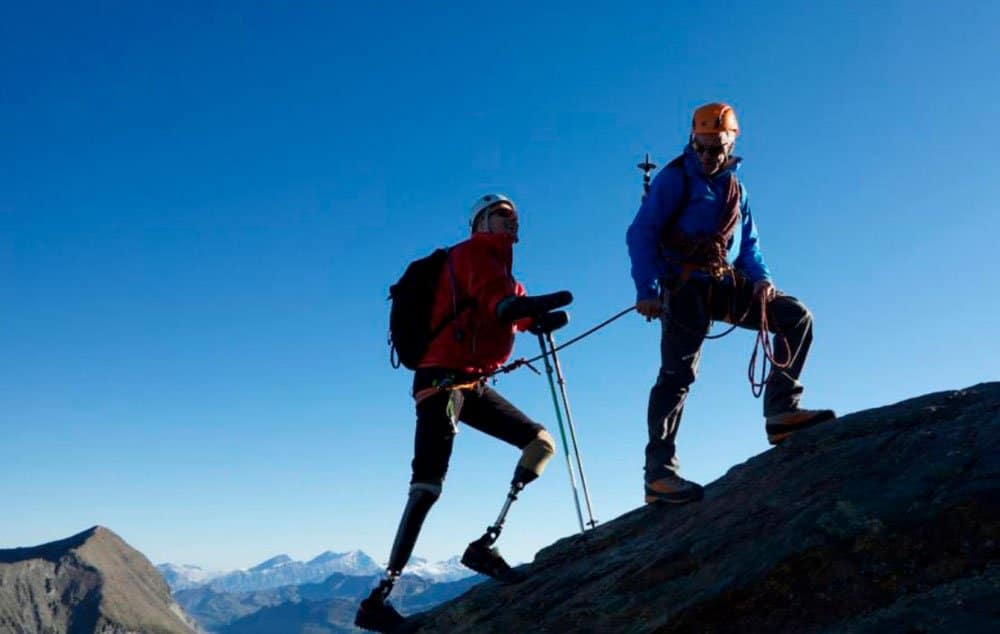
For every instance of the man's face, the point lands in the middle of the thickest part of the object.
(500, 218)
(713, 151)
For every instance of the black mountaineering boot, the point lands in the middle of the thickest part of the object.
(486, 560)
(377, 615)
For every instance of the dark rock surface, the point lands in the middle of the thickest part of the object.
(91, 582)
(886, 520)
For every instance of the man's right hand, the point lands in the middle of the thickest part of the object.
(649, 308)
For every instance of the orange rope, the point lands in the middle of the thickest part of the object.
(763, 342)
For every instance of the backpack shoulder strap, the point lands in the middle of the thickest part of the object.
(457, 306)
(677, 163)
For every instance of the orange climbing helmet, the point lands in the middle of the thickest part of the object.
(715, 118)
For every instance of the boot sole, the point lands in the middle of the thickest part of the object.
(667, 498)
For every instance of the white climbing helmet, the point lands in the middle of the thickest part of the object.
(483, 203)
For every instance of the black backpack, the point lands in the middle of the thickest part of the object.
(412, 297)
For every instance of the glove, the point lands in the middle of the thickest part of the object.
(544, 324)
(514, 307)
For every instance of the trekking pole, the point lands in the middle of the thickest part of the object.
(572, 429)
(562, 432)
(646, 168)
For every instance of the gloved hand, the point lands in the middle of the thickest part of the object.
(514, 307)
(649, 308)
(764, 290)
(546, 323)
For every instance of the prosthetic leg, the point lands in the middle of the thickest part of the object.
(375, 613)
(480, 554)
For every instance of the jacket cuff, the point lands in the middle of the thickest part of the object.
(647, 293)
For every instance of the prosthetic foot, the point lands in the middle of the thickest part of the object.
(375, 613)
(479, 556)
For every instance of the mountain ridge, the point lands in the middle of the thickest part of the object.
(282, 570)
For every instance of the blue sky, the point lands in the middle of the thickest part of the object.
(202, 206)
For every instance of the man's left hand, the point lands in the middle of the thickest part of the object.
(764, 290)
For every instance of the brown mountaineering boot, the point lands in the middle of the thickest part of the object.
(781, 426)
(673, 489)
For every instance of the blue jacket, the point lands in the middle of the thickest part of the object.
(700, 213)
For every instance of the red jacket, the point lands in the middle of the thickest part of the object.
(482, 273)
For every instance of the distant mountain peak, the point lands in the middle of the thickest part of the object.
(326, 555)
(53, 551)
(102, 583)
(273, 562)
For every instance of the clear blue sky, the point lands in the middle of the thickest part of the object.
(202, 206)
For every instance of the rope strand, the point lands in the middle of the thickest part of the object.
(763, 342)
(510, 367)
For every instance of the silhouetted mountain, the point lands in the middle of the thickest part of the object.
(90, 582)
(887, 520)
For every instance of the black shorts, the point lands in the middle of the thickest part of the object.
(481, 407)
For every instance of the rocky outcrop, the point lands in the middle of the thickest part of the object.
(886, 520)
(92, 582)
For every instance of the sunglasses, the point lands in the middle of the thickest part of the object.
(710, 150)
(503, 212)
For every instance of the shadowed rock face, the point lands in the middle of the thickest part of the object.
(886, 520)
(91, 582)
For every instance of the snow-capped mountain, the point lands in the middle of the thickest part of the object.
(272, 563)
(440, 571)
(282, 570)
(184, 576)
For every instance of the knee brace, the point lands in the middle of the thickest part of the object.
(534, 457)
(422, 498)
